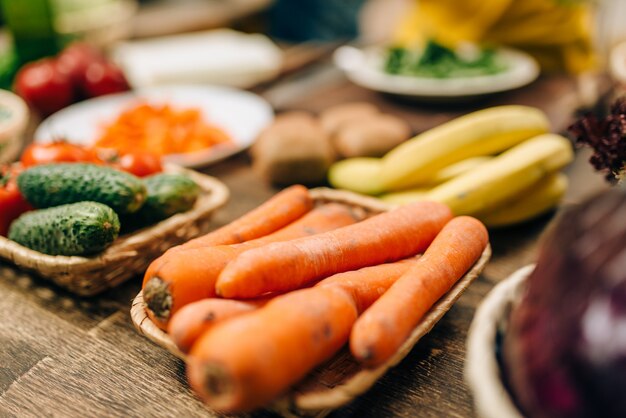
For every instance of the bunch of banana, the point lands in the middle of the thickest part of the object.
(557, 32)
(497, 164)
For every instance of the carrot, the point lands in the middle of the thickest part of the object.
(196, 318)
(161, 130)
(283, 266)
(384, 327)
(279, 211)
(190, 275)
(247, 361)
(365, 285)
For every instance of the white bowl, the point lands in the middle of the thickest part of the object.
(241, 114)
(482, 369)
(365, 67)
(13, 120)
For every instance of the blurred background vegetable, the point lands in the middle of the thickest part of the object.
(563, 350)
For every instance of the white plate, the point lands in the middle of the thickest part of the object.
(365, 67)
(242, 115)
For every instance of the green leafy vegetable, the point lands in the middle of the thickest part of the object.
(437, 61)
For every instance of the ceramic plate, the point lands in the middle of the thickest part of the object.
(239, 113)
(365, 68)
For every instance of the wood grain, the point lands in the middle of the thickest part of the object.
(66, 356)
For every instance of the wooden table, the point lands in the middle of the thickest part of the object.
(71, 357)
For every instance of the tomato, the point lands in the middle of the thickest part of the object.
(44, 86)
(12, 203)
(74, 61)
(139, 164)
(57, 152)
(103, 78)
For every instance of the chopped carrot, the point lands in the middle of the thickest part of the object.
(284, 266)
(189, 275)
(387, 324)
(162, 130)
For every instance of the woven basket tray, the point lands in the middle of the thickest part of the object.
(130, 254)
(341, 379)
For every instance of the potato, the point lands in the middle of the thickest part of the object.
(295, 149)
(372, 136)
(335, 116)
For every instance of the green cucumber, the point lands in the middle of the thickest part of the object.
(50, 185)
(75, 229)
(168, 194)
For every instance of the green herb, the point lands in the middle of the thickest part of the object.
(437, 61)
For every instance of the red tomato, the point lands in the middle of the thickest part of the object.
(12, 203)
(43, 86)
(74, 61)
(56, 152)
(103, 78)
(141, 165)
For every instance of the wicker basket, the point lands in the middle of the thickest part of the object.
(130, 254)
(482, 369)
(341, 379)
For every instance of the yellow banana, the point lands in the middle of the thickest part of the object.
(485, 132)
(492, 184)
(456, 169)
(544, 196)
(407, 196)
(359, 174)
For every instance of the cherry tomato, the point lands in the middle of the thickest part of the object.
(139, 164)
(103, 78)
(12, 203)
(57, 152)
(44, 87)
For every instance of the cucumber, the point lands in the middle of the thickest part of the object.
(50, 185)
(75, 229)
(168, 194)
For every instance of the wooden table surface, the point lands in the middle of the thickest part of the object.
(75, 357)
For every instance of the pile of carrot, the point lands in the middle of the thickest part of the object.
(161, 130)
(259, 303)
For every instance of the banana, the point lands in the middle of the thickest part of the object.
(544, 196)
(498, 181)
(407, 196)
(485, 132)
(358, 174)
(361, 175)
(456, 169)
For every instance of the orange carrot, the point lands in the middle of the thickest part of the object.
(265, 352)
(161, 130)
(197, 317)
(247, 361)
(279, 211)
(384, 327)
(283, 266)
(365, 285)
(189, 275)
